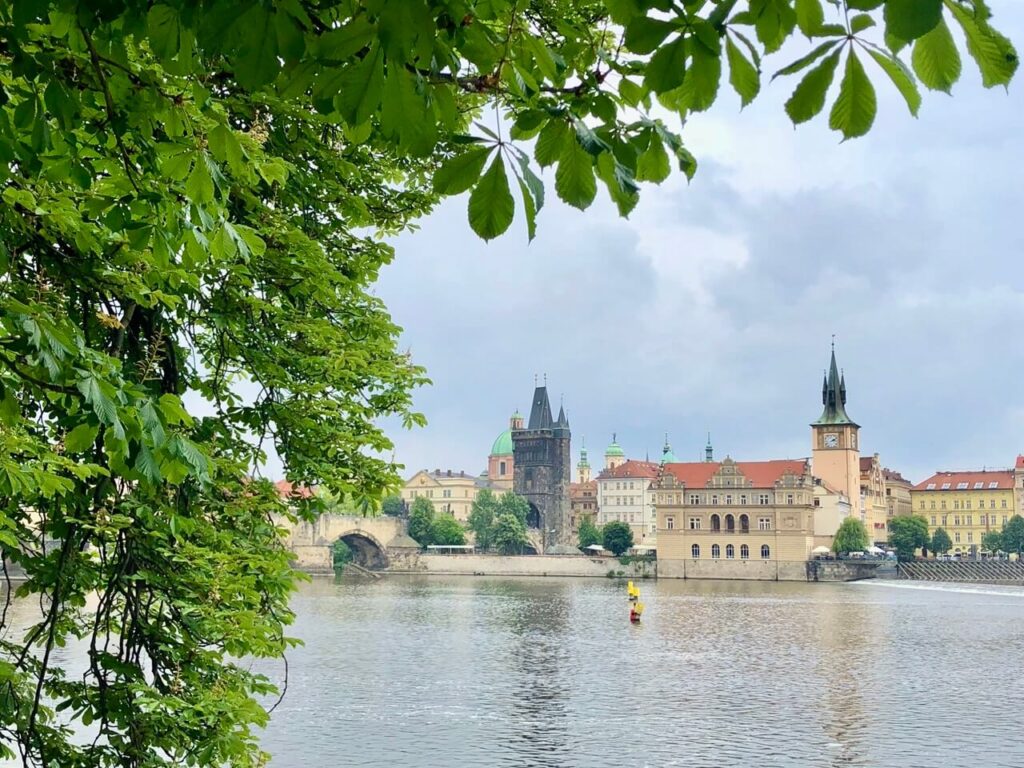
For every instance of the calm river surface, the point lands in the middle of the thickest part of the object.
(434, 671)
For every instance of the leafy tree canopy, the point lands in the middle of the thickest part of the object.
(513, 504)
(992, 541)
(393, 506)
(941, 543)
(616, 537)
(446, 530)
(481, 518)
(908, 534)
(852, 536)
(192, 196)
(509, 535)
(1012, 536)
(588, 534)
(421, 520)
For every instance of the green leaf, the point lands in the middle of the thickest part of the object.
(10, 410)
(809, 16)
(551, 142)
(808, 98)
(667, 67)
(256, 63)
(936, 60)
(620, 185)
(863, 5)
(910, 19)
(901, 77)
(81, 438)
(459, 173)
(810, 58)
(574, 179)
(700, 87)
(491, 206)
(743, 76)
(653, 164)
(360, 87)
(339, 45)
(199, 186)
(860, 22)
(854, 110)
(644, 34)
(164, 29)
(992, 52)
(147, 465)
(530, 207)
(173, 411)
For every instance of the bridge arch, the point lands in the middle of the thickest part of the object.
(367, 551)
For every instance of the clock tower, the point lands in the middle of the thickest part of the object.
(836, 446)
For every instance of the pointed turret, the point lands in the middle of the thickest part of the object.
(583, 468)
(667, 457)
(709, 452)
(540, 412)
(834, 397)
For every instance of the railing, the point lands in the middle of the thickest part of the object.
(981, 571)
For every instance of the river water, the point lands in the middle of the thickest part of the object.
(474, 671)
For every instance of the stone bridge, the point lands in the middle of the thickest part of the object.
(374, 541)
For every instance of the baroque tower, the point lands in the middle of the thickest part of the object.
(542, 465)
(583, 467)
(836, 449)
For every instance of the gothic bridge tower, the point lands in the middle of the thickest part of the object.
(541, 466)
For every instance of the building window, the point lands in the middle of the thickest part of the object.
(743, 498)
(446, 493)
(744, 552)
(765, 552)
(694, 523)
(789, 498)
(967, 504)
(694, 498)
(695, 551)
(956, 519)
(762, 499)
(744, 524)
(730, 523)
(1004, 519)
(1004, 504)
(716, 523)
(991, 503)
(933, 504)
(670, 523)
(944, 519)
(716, 552)
(933, 519)
(501, 468)
(728, 499)
(430, 494)
(943, 504)
(730, 552)
(714, 499)
(970, 536)
(956, 537)
(970, 520)
(764, 523)
(956, 504)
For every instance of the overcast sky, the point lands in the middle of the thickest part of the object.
(712, 307)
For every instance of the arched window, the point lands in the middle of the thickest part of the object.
(765, 552)
(730, 552)
(716, 552)
(501, 468)
(744, 552)
(744, 524)
(695, 551)
(716, 523)
(730, 523)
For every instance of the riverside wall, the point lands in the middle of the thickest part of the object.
(520, 565)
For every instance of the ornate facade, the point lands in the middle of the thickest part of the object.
(501, 460)
(451, 491)
(625, 493)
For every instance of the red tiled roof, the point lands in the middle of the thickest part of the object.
(1002, 477)
(287, 490)
(761, 474)
(865, 463)
(892, 474)
(631, 468)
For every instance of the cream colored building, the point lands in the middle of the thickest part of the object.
(735, 520)
(831, 507)
(897, 494)
(624, 493)
(874, 510)
(451, 491)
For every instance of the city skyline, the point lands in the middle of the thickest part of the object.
(713, 306)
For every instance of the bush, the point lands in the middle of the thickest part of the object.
(617, 537)
(588, 534)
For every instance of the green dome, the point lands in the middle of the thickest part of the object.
(614, 449)
(503, 445)
(667, 457)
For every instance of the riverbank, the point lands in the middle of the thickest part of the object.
(523, 565)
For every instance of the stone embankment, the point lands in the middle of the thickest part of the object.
(972, 572)
(523, 565)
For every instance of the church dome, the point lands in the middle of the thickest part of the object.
(503, 445)
(667, 457)
(614, 449)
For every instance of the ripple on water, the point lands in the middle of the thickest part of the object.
(543, 672)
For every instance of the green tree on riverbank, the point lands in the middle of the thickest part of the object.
(992, 541)
(852, 536)
(941, 543)
(393, 506)
(588, 534)
(199, 195)
(509, 535)
(447, 530)
(908, 533)
(616, 537)
(341, 553)
(1011, 538)
(421, 520)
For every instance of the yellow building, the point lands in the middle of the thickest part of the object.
(735, 520)
(451, 491)
(874, 508)
(966, 504)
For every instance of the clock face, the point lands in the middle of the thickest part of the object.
(831, 440)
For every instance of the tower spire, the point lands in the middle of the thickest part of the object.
(833, 394)
(709, 452)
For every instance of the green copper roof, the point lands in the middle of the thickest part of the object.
(614, 449)
(833, 397)
(503, 445)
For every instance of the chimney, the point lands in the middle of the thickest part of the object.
(449, 473)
